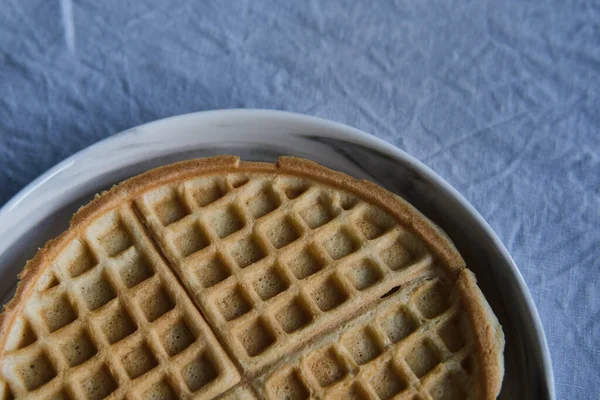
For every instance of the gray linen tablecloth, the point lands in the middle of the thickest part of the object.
(501, 98)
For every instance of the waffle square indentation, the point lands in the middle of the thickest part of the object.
(36, 371)
(170, 210)
(116, 240)
(79, 349)
(356, 392)
(155, 303)
(304, 264)
(294, 316)
(269, 283)
(327, 368)
(190, 240)
(60, 395)
(467, 364)
(256, 337)
(135, 271)
(451, 334)
(246, 252)
(317, 214)
(328, 295)
(82, 259)
(397, 256)
(138, 361)
(448, 388)
(26, 335)
(362, 345)
(387, 383)
(207, 194)
(432, 301)
(238, 180)
(97, 292)
(372, 224)
(161, 390)
(98, 384)
(289, 386)
(200, 372)
(212, 271)
(59, 313)
(281, 231)
(348, 201)
(363, 275)
(261, 203)
(398, 325)
(177, 338)
(233, 303)
(422, 358)
(226, 221)
(340, 244)
(118, 325)
(47, 281)
(293, 190)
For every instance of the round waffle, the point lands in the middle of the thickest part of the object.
(219, 278)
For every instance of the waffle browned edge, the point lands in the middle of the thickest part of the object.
(487, 332)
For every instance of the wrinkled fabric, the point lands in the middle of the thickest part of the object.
(501, 98)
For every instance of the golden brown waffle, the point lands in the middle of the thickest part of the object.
(284, 263)
(414, 344)
(278, 259)
(107, 316)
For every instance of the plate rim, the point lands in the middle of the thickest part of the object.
(331, 129)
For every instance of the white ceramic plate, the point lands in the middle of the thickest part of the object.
(42, 210)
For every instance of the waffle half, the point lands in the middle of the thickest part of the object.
(219, 278)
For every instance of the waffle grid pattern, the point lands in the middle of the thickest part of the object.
(411, 347)
(302, 291)
(266, 258)
(148, 340)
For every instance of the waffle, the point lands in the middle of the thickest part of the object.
(220, 278)
(414, 344)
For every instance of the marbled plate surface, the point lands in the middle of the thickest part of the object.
(42, 210)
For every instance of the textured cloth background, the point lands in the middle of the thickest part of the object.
(501, 98)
